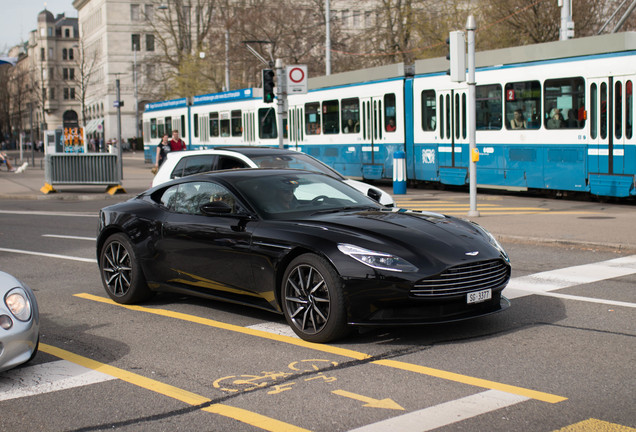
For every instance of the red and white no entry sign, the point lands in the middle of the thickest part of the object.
(296, 75)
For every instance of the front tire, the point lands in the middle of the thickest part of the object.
(121, 273)
(312, 299)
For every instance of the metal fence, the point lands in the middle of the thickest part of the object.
(82, 169)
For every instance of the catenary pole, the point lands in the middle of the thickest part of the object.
(472, 113)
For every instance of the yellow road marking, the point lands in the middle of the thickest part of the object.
(370, 402)
(244, 416)
(537, 395)
(596, 425)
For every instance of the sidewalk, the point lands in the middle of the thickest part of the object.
(511, 218)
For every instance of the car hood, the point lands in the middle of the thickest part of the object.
(415, 236)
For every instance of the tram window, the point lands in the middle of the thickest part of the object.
(429, 114)
(350, 113)
(523, 105)
(153, 128)
(195, 125)
(330, 117)
(603, 111)
(168, 122)
(285, 126)
(593, 111)
(618, 109)
(267, 123)
(447, 114)
(389, 112)
(629, 110)
(225, 126)
(564, 102)
(312, 118)
(214, 124)
(182, 131)
(464, 117)
(237, 128)
(488, 110)
(457, 125)
(160, 130)
(441, 117)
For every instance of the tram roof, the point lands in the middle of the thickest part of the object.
(585, 46)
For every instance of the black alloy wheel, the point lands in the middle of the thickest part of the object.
(121, 274)
(312, 299)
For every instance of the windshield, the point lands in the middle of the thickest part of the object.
(282, 196)
(296, 161)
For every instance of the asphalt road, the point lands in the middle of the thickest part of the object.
(561, 357)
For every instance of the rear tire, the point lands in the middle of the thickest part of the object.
(121, 273)
(312, 299)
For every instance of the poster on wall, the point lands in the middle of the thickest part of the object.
(73, 140)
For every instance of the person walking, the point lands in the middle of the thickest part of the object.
(176, 143)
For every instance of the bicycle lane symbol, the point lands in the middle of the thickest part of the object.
(267, 379)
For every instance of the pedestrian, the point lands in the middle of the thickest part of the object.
(162, 152)
(176, 143)
(4, 160)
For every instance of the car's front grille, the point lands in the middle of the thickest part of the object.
(464, 278)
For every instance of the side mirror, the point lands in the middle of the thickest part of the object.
(374, 194)
(216, 208)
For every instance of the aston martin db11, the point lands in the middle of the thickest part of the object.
(302, 244)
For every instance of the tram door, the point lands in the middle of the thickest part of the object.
(610, 120)
(372, 133)
(453, 131)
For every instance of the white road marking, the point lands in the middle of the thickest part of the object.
(275, 328)
(49, 255)
(69, 237)
(46, 378)
(545, 282)
(446, 413)
(46, 213)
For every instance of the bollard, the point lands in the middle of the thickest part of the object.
(399, 173)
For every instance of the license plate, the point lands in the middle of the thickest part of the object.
(479, 296)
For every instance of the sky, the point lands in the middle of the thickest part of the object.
(19, 17)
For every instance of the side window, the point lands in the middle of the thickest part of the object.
(214, 124)
(312, 118)
(267, 123)
(153, 128)
(330, 117)
(564, 102)
(195, 125)
(229, 162)
(488, 101)
(198, 164)
(169, 197)
(429, 110)
(523, 105)
(168, 122)
(629, 110)
(189, 197)
(237, 127)
(350, 113)
(389, 113)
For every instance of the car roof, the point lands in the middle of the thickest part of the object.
(256, 151)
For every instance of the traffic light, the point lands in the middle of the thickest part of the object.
(268, 86)
(457, 56)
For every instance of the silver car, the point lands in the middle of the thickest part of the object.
(19, 323)
(183, 163)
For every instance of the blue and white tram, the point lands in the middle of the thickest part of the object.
(355, 128)
(161, 118)
(553, 116)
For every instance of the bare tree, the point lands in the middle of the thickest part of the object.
(85, 65)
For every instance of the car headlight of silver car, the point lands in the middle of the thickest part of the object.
(18, 303)
(376, 259)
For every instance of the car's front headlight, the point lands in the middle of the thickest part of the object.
(18, 303)
(377, 260)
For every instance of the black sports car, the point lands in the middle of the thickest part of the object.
(303, 244)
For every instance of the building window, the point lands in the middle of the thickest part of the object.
(65, 93)
(42, 54)
(134, 13)
(149, 12)
(70, 53)
(65, 73)
(72, 93)
(50, 31)
(135, 39)
(51, 73)
(71, 73)
(51, 93)
(64, 54)
(67, 33)
(150, 42)
(51, 54)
